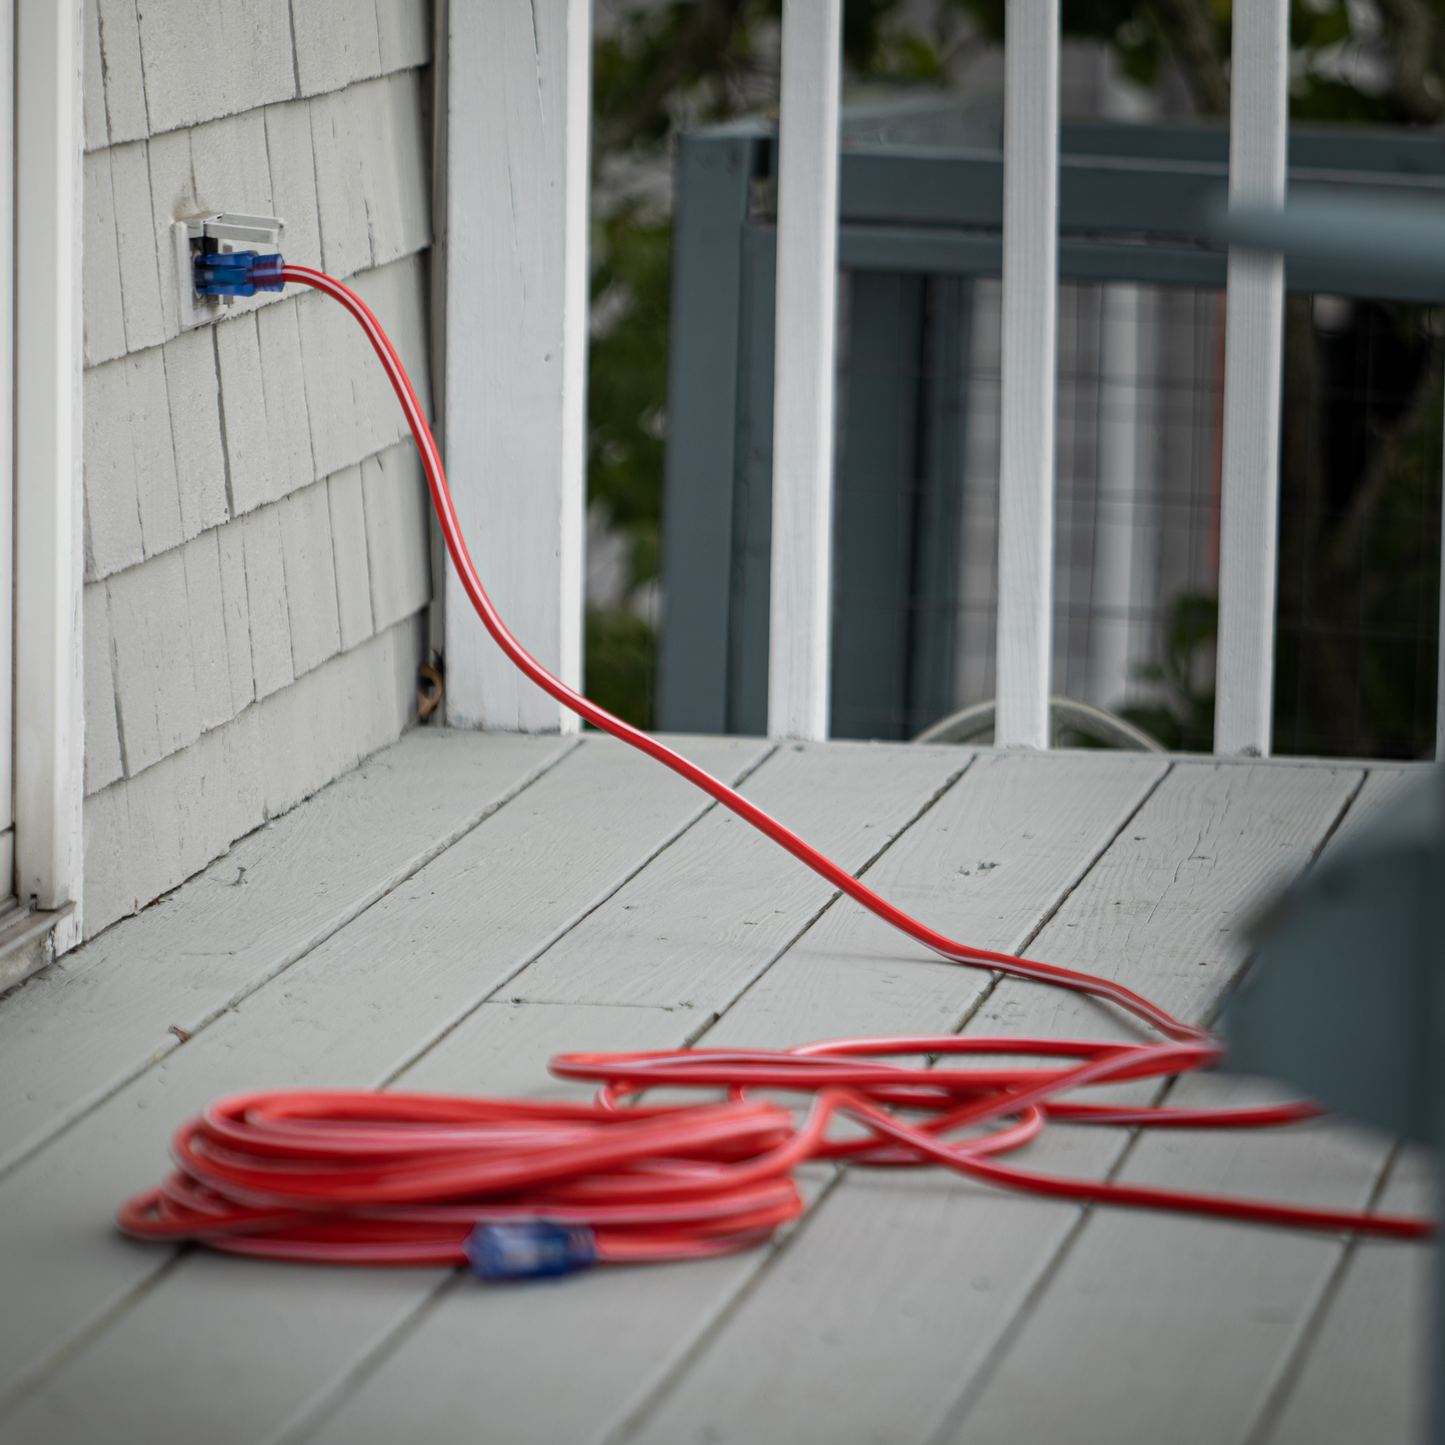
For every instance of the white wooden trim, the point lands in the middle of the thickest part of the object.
(437, 316)
(1029, 347)
(576, 334)
(1253, 368)
(48, 570)
(801, 601)
(7, 450)
(514, 383)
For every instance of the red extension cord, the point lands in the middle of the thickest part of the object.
(391, 1178)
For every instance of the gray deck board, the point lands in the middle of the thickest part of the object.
(987, 865)
(348, 1013)
(1041, 825)
(1364, 1375)
(352, 1012)
(1124, 917)
(710, 914)
(1165, 917)
(90, 1022)
(1381, 787)
(1164, 913)
(1202, 1356)
(605, 905)
(1161, 1327)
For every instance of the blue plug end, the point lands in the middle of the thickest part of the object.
(237, 273)
(529, 1249)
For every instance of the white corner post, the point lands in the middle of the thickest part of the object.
(1253, 373)
(48, 507)
(1029, 363)
(518, 98)
(807, 288)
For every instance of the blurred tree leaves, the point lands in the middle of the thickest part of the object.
(620, 651)
(1183, 717)
(1359, 581)
(1379, 63)
(627, 380)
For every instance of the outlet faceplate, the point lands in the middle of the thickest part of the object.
(223, 231)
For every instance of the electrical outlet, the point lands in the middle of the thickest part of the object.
(224, 231)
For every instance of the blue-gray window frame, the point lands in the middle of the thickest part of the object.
(1134, 205)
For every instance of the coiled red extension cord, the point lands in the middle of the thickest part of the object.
(393, 1178)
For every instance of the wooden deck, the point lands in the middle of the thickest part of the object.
(465, 905)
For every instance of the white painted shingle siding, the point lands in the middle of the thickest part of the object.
(266, 602)
(193, 389)
(236, 607)
(155, 683)
(149, 408)
(112, 511)
(134, 233)
(123, 84)
(104, 318)
(203, 61)
(174, 818)
(102, 740)
(348, 547)
(206, 613)
(310, 578)
(395, 502)
(256, 534)
(93, 91)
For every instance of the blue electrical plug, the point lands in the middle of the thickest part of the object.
(529, 1249)
(237, 273)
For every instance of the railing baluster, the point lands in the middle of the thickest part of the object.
(798, 657)
(1030, 325)
(1253, 364)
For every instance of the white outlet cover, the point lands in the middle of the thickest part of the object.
(231, 232)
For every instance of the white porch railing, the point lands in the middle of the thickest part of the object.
(1029, 373)
(1253, 370)
(515, 418)
(802, 588)
(1252, 379)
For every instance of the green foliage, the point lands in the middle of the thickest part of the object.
(661, 53)
(1184, 720)
(627, 382)
(1132, 26)
(1359, 573)
(621, 654)
(1196, 34)
(1317, 30)
(876, 48)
